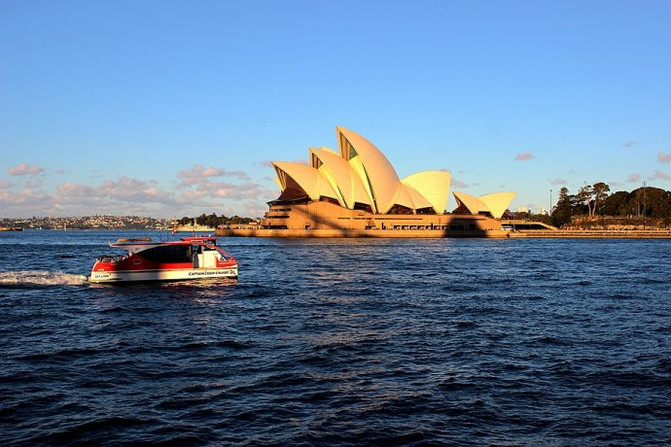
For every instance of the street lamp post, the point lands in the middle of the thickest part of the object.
(644, 206)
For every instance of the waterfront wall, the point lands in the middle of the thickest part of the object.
(373, 233)
(328, 216)
(594, 234)
(370, 233)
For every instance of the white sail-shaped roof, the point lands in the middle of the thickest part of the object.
(308, 178)
(359, 176)
(344, 179)
(472, 204)
(434, 186)
(409, 197)
(497, 203)
(377, 174)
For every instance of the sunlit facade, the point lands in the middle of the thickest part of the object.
(356, 187)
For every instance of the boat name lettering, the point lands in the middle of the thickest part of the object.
(211, 273)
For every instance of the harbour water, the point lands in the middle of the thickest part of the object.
(341, 341)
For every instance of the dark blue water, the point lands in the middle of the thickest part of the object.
(346, 342)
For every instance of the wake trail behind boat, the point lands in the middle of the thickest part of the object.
(37, 278)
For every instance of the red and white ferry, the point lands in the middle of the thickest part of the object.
(183, 259)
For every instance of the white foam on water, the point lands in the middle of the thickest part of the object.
(40, 278)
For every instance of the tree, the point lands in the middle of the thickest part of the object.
(654, 201)
(616, 204)
(585, 198)
(200, 220)
(600, 193)
(561, 213)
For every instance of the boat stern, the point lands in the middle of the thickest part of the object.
(100, 272)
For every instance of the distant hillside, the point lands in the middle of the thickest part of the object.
(89, 223)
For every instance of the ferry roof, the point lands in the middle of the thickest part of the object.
(135, 245)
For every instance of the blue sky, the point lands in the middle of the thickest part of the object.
(174, 108)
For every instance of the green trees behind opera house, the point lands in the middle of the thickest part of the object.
(213, 221)
(596, 201)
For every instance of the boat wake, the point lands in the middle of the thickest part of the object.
(32, 278)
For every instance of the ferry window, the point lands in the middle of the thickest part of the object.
(173, 253)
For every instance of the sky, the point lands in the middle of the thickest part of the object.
(176, 108)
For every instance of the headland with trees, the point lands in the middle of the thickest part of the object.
(595, 207)
(213, 221)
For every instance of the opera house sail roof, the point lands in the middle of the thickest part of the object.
(494, 204)
(359, 176)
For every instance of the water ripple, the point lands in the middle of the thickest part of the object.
(346, 342)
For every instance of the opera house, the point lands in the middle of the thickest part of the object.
(355, 191)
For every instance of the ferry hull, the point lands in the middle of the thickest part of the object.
(125, 276)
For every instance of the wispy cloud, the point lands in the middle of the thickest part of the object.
(664, 157)
(631, 178)
(199, 174)
(199, 187)
(524, 156)
(628, 144)
(558, 181)
(25, 169)
(458, 183)
(123, 191)
(35, 182)
(125, 195)
(661, 175)
(224, 190)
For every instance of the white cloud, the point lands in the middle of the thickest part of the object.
(33, 184)
(198, 174)
(558, 181)
(243, 191)
(123, 194)
(633, 178)
(664, 157)
(661, 175)
(195, 192)
(458, 183)
(524, 156)
(25, 169)
(25, 198)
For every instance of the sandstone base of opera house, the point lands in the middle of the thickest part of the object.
(528, 234)
(325, 219)
(332, 233)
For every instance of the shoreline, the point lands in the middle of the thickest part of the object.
(408, 234)
(593, 234)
